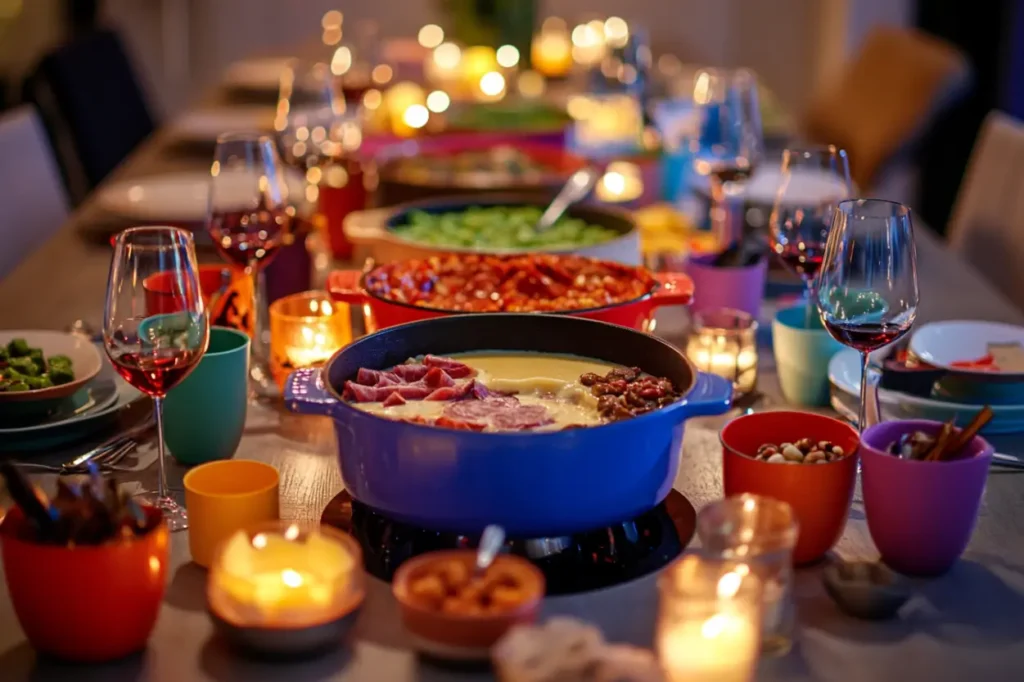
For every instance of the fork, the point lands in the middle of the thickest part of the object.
(105, 456)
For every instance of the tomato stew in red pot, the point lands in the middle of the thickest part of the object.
(409, 290)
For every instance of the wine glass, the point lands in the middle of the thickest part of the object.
(249, 219)
(867, 288)
(730, 142)
(812, 182)
(154, 351)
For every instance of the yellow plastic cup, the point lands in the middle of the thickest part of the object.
(224, 497)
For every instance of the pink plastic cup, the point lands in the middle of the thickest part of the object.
(921, 514)
(739, 288)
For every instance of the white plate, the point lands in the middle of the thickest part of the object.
(807, 187)
(943, 343)
(257, 73)
(844, 373)
(180, 197)
(205, 125)
(86, 361)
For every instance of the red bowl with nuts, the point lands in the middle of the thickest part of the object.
(455, 284)
(805, 459)
(453, 614)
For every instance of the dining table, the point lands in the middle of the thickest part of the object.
(966, 624)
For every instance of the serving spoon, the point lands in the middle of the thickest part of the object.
(490, 545)
(576, 188)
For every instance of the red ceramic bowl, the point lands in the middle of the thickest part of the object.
(455, 635)
(671, 289)
(820, 494)
(86, 604)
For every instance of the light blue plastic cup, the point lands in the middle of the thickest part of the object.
(802, 354)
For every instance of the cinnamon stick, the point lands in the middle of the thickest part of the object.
(940, 443)
(964, 436)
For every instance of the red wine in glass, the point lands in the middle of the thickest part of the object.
(155, 372)
(805, 261)
(864, 337)
(249, 238)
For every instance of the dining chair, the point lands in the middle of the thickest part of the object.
(987, 223)
(33, 204)
(885, 97)
(93, 106)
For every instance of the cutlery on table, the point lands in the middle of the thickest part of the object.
(106, 457)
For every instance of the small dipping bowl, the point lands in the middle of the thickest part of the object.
(866, 590)
(820, 494)
(286, 590)
(921, 514)
(465, 634)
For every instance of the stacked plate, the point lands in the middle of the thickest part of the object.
(48, 418)
(966, 365)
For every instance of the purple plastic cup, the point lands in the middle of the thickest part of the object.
(921, 514)
(739, 288)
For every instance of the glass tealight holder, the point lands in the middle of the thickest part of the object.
(306, 329)
(286, 589)
(709, 613)
(761, 532)
(724, 342)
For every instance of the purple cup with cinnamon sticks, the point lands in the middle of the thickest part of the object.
(738, 287)
(921, 514)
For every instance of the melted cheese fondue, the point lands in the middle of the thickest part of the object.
(550, 381)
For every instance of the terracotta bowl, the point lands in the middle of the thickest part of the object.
(86, 604)
(463, 636)
(820, 494)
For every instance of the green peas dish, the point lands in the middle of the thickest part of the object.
(500, 228)
(23, 368)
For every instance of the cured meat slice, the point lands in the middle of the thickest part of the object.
(521, 417)
(375, 377)
(480, 410)
(410, 391)
(450, 423)
(471, 390)
(437, 377)
(454, 368)
(367, 394)
(442, 394)
(410, 372)
(394, 399)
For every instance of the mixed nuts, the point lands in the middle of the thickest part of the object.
(803, 451)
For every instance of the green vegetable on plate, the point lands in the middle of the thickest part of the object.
(23, 368)
(500, 228)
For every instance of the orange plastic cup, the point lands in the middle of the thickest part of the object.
(86, 604)
(820, 494)
(224, 497)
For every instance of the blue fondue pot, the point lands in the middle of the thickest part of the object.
(534, 484)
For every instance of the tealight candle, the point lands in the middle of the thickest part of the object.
(620, 183)
(477, 62)
(707, 627)
(724, 342)
(551, 51)
(288, 579)
(306, 329)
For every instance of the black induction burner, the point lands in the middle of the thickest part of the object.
(573, 563)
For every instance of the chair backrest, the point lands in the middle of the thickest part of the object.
(885, 97)
(88, 89)
(33, 204)
(987, 222)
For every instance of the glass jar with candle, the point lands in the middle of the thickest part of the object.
(285, 587)
(708, 621)
(761, 532)
(724, 342)
(306, 329)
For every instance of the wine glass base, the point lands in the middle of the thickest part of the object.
(263, 384)
(175, 515)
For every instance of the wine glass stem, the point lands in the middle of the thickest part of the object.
(257, 322)
(862, 413)
(161, 484)
(809, 309)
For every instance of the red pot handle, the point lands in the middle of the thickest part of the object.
(344, 286)
(674, 288)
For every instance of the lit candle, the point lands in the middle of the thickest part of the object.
(723, 342)
(551, 50)
(285, 576)
(620, 183)
(477, 62)
(403, 102)
(708, 621)
(306, 329)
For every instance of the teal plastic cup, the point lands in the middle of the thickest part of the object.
(802, 354)
(204, 415)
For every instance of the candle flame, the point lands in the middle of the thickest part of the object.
(291, 578)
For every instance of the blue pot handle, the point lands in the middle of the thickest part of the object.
(305, 393)
(711, 394)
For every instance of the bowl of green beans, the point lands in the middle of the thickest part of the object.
(493, 224)
(41, 365)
